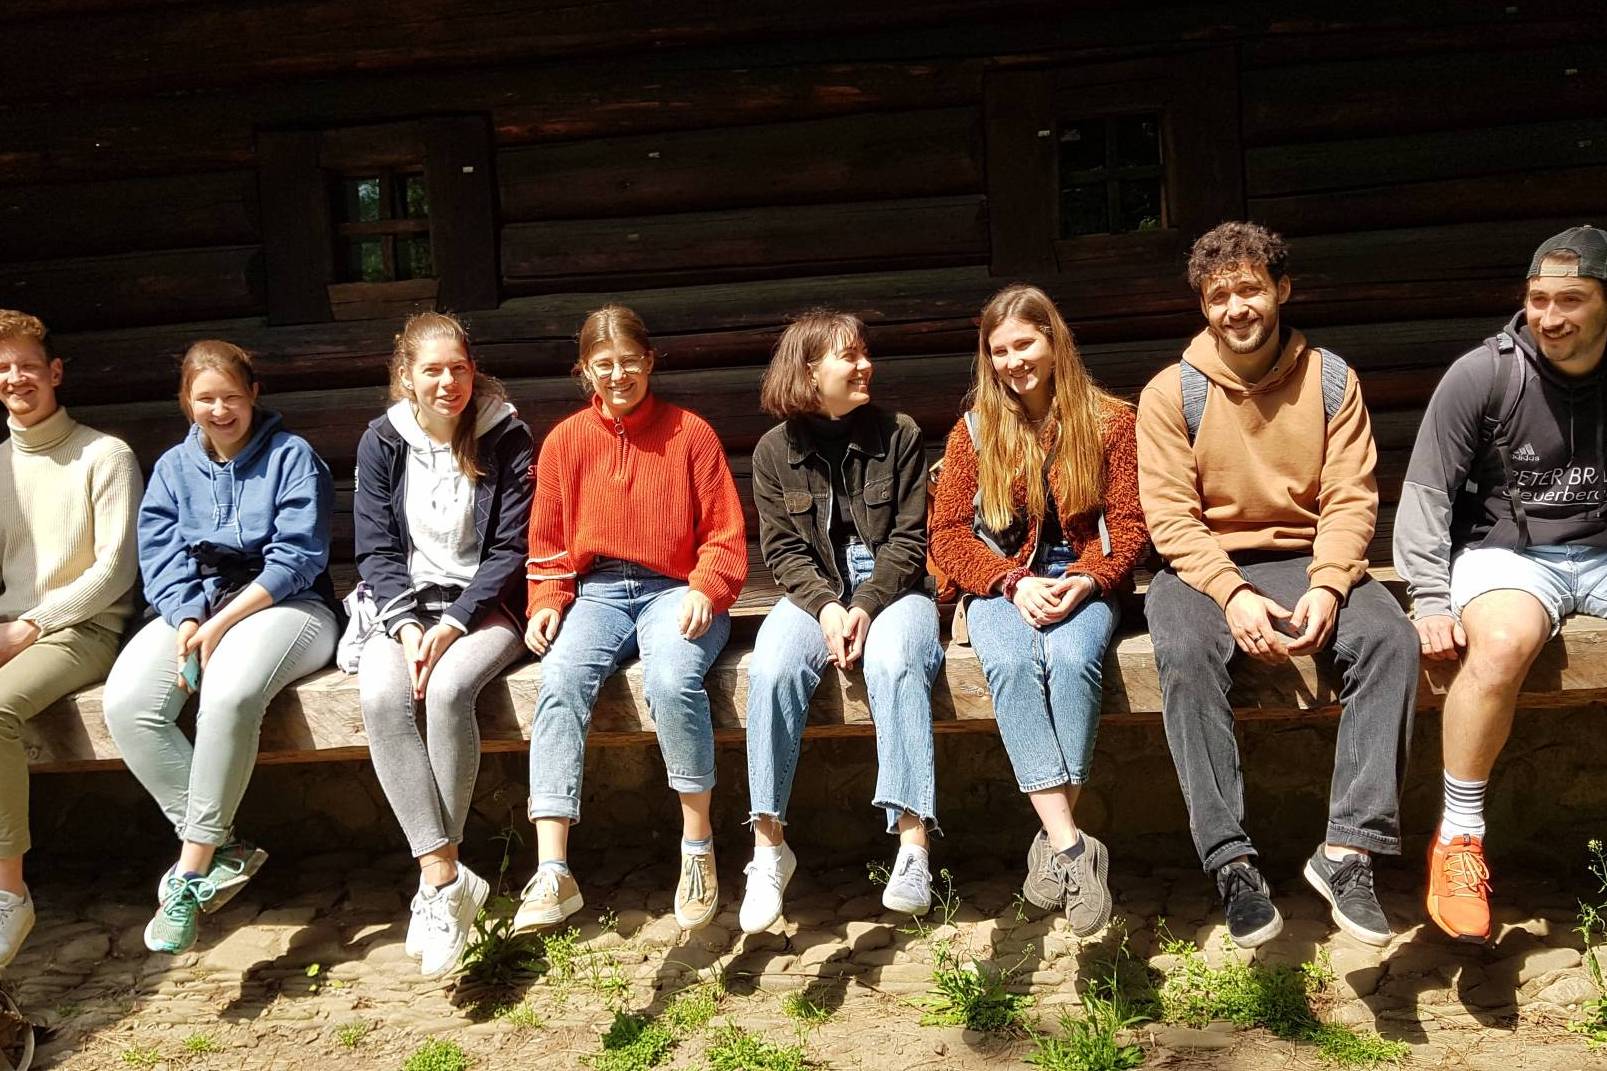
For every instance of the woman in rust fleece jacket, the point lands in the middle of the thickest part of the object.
(636, 547)
(1039, 558)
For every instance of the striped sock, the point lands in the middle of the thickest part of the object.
(1464, 809)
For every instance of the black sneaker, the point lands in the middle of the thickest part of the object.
(1247, 902)
(1347, 885)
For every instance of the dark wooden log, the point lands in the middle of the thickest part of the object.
(804, 240)
(297, 246)
(458, 165)
(129, 215)
(179, 285)
(927, 153)
(1386, 96)
(1436, 156)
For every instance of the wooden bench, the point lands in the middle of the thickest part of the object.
(319, 718)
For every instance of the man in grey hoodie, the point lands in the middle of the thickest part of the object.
(1501, 532)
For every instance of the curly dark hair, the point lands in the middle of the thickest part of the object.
(1234, 243)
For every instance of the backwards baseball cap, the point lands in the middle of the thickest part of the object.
(1587, 243)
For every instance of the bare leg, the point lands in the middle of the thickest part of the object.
(1054, 807)
(911, 830)
(768, 832)
(196, 858)
(11, 875)
(695, 821)
(1506, 630)
(552, 840)
(439, 867)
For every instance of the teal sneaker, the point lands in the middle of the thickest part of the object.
(233, 864)
(172, 928)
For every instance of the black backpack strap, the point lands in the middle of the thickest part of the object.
(1335, 378)
(1195, 390)
(1506, 390)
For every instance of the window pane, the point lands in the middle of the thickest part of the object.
(363, 261)
(1084, 210)
(1141, 205)
(1138, 140)
(415, 198)
(1082, 145)
(357, 201)
(413, 258)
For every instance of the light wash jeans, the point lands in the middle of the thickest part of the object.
(1566, 579)
(621, 609)
(199, 787)
(1045, 683)
(901, 658)
(430, 783)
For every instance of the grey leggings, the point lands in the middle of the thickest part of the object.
(199, 787)
(430, 784)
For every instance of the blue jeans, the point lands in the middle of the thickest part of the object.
(1045, 683)
(621, 609)
(901, 658)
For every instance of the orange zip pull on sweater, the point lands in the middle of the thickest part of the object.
(652, 488)
(1267, 471)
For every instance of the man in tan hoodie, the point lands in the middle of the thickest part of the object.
(1255, 459)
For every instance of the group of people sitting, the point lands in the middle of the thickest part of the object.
(1249, 464)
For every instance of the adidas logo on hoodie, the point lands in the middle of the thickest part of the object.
(1526, 452)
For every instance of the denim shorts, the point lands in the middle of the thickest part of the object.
(1566, 579)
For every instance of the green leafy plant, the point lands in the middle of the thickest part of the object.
(521, 1017)
(141, 1056)
(633, 1043)
(199, 1044)
(352, 1034)
(734, 1049)
(1277, 998)
(437, 1054)
(1593, 929)
(691, 1010)
(1092, 1041)
(799, 1007)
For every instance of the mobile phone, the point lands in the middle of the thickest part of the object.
(191, 673)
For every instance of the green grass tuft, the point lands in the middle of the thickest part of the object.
(141, 1056)
(199, 1044)
(633, 1043)
(437, 1054)
(734, 1049)
(799, 1007)
(352, 1034)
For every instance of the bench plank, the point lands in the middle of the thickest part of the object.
(319, 718)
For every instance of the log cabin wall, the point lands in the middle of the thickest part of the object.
(719, 169)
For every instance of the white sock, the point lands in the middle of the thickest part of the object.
(697, 847)
(1464, 809)
(767, 853)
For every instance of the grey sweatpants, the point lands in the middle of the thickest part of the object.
(200, 787)
(429, 779)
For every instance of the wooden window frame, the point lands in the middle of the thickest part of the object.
(295, 168)
(1197, 96)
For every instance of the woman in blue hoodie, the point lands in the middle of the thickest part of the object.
(442, 511)
(233, 543)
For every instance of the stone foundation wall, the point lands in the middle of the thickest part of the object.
(1549, 794)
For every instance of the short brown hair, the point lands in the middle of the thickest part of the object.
(214, 355)
(1237, 243)
(15, 324)
(609, 325)
(788, 389)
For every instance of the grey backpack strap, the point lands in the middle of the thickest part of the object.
(1195, 389)
(1335, 378)
(1505, 391)
(970, 426)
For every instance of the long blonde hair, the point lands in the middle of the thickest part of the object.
(1008, 449)
(424, 326)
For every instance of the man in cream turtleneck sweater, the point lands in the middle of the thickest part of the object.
(69, 497)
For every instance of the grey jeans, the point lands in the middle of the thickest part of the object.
(1376, 648)
(200, 787)
(429, 779)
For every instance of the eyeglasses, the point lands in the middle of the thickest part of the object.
(631, 366)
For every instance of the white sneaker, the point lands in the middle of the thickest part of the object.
(16, 921)
(767, 880)
(909, 884)
(449, 915)
(414, 943)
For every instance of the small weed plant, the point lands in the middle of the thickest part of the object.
(1593, 928)
(141, 1056)
(521, 1017)
(352, 1034)
(1276, 998)
(965, 991)
(798, 1007)
(734, 1049)
(199, 1044)
(640, 1042)
(437, 1054)
(496, 957)
(1092, 1041)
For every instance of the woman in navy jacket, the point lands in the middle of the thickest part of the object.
(442, 510)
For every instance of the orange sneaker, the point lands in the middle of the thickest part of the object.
(1459, 888)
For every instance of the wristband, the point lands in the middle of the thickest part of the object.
(1007, 587)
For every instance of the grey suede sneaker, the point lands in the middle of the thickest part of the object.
(1083, 877)
(1042, 887)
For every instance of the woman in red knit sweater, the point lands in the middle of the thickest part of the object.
(636, 547)
(1040, 558)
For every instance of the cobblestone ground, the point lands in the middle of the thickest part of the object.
(306, 969)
